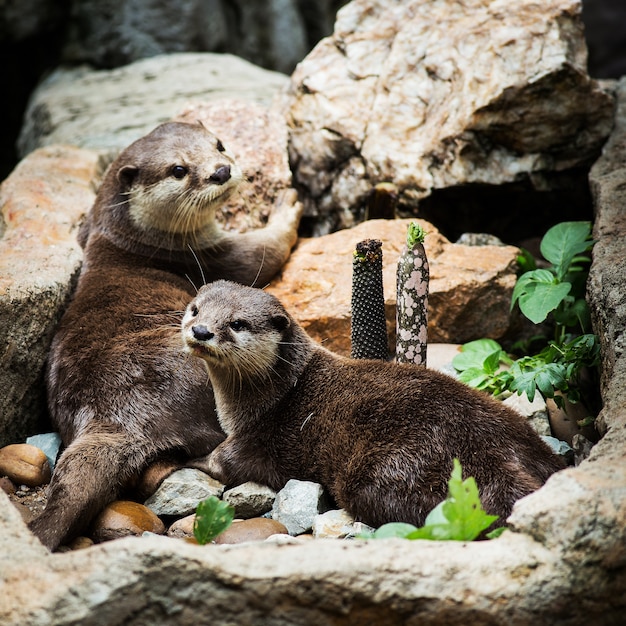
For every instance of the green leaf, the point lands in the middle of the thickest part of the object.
(474, 354)
(415, 234)
(563, 242)
(393, 529)
(541, 298)
(213, 516)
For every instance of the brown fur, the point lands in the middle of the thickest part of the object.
(120, 392)
(381, 437)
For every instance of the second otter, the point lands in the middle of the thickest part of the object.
(381, 437)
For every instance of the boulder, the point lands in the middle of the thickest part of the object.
(442, 94)
(563, 560)
(108, 109)
(41, 206)
(315, 284)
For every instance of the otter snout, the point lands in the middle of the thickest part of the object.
(220, 175)
(201, 332)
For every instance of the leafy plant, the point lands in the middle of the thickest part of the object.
(560, 288)
(555, 294)
(460, 517)
(213, 516)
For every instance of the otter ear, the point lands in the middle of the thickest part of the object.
(126, 175)
(280, 322)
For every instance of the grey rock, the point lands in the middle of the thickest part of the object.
(535, 412)
(106, 110)
(49, 443)
(250, 499)
(479, 239)
(181, 491)
(297, 504)
(582, 448)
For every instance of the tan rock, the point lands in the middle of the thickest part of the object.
(466, 283)
(255, 529)
(182, 527)
(24, 464)
(41, 204)
(431, 95)
(124, 518)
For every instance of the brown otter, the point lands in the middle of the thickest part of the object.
(381, 437)
(119, 391)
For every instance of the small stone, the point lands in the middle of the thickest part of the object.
(180, 493)
(479, 239)
(255, 529)
(80, 543)
(154, 475)
(49, 443)
(582, 448)
(561, 448)
(182, 527)
(24, 464)
(250, 499)
(297, 504)
(535, 412)
(124, 518)
(7, 485)
(337, 524)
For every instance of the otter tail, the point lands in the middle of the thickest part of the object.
(88, 476)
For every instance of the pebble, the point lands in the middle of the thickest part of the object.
(49, 443)
(7, 485)
(337, 524)
(297, 504)
(255, 529)
(154, 475)
(182, 527)
(250, 499)
(24, 464)
(124, 518)
(180, 492)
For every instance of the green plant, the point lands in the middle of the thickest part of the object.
(555, 293)
(213, 516)
(460, 517)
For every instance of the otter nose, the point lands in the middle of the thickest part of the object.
(201, 332)
(220, 175)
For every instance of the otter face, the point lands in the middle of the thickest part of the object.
(235, 329)
(176, 177)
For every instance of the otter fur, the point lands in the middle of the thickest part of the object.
(119, 391)
(381, 437)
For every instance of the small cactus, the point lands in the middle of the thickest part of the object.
(412, 299)
(368, 329)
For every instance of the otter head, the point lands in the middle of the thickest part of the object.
(166, 186)
(237, 330)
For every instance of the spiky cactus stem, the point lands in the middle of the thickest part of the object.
(368, 329)
(412, 299)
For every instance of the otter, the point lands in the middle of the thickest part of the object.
(379, 436)
(119, 391)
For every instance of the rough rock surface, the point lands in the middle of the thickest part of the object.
(564, 562)
(438, 94)
(108, 109)
(41, 205)
(465, 281)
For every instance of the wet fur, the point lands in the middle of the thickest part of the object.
(120, 392)
(381, 437)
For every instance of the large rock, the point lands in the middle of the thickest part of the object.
(563, 562)
(465, 281)
(108, 109)
(41, 205)
(435, 94)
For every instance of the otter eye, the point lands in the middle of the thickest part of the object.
(179, 171)
(194, 310)
(238, 325)
(220, 146)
